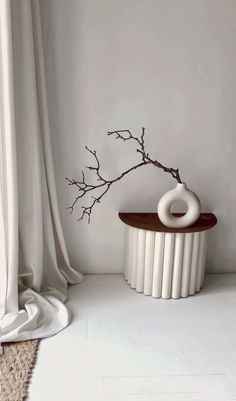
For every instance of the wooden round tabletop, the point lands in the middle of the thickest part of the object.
(151, 222)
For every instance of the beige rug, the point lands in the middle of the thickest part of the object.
(16, 366)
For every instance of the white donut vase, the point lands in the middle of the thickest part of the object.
(179, 193)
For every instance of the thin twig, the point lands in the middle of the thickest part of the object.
(84, 188)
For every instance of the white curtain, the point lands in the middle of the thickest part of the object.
(34, 264)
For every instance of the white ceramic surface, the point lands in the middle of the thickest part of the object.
(179, 193)
(165, 265)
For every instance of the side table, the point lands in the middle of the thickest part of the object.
(165, 262)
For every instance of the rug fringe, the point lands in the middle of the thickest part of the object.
(30, 371)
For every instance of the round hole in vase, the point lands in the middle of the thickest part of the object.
(179, 207)
(183, 194)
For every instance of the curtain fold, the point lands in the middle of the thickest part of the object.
(34, 264)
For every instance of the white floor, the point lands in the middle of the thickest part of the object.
(124, 346)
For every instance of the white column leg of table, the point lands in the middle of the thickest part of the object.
(149, 258)
(168, 264)
(128, 234)
(158, 265)
(177, 265)
(204, 259)
(194, 264)
(188, 244)
(201, 260)
(134, 257)
(132, 253)
(140, 260)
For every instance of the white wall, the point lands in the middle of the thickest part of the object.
(167, 65)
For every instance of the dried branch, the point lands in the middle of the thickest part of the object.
(84, 188)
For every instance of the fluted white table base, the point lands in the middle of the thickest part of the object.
(165, 265)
